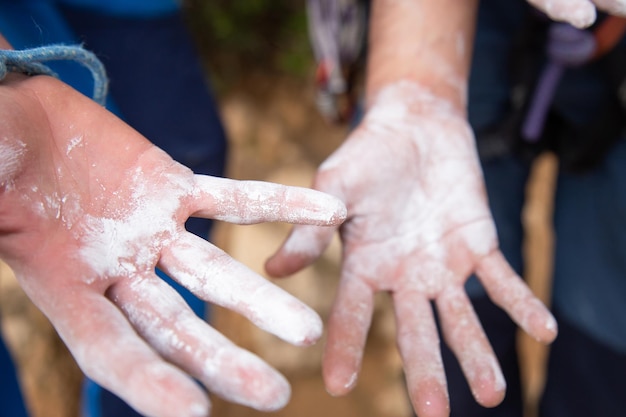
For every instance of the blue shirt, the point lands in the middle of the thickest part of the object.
(134, 8)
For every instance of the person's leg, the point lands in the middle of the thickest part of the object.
(11, 400)
(585, 378)
(159, 86)
(588, 360)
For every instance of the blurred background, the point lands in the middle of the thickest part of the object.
(259, 60)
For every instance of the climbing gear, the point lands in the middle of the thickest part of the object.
(31, 62)
(546, 52)
(337, 30)
(568, 47)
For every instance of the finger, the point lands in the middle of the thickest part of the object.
(418, 343)
(214, 276)
(614, 7)
(161, 316)
(248, 202)
(579, 13)
(507, 290)
(303, 246)
(109, 351)
(348, 325)
(466, 338)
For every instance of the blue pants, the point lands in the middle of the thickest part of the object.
(11, 402)
(157, 85)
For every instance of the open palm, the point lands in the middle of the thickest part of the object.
(89, 208)
(418, 226)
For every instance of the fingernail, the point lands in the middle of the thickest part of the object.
(199, 410)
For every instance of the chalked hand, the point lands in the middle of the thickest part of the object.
(89, 208)
(418, 226)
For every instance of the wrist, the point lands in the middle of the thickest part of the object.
(453, 91)
(397, 100)
(427, 43)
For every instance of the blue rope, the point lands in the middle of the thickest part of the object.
(30, 61)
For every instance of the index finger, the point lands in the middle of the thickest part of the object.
(214, 276)
(249, 202)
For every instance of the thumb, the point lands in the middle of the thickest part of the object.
(301, 248)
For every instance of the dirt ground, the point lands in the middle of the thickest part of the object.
(277, 135)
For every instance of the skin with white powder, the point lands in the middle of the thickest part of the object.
(418, 226)
(12, 155)
(130, 242)
(89, 208)
(418, 220)
(97, 208)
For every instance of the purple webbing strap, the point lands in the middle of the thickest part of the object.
(567, 47)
